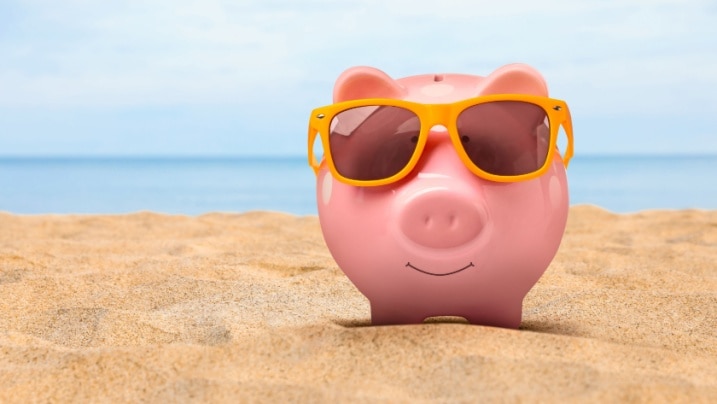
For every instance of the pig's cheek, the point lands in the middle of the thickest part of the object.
(557, 188)
(525, 209)
(326, 185)
(557, 193)
(330, 208)
(510, 204)
(335, 201)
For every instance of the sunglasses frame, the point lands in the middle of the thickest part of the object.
(430, 115)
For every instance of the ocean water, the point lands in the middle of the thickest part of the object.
(194, 186)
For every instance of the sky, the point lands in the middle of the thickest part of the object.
(236, 78)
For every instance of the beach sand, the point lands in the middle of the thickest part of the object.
(251, 307)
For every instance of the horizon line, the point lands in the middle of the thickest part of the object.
(178, 156)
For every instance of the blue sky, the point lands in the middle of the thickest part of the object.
(208, 77)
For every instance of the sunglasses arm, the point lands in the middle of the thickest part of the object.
(312, 159)
(568, 126)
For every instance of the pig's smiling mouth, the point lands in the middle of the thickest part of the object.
(409, 265)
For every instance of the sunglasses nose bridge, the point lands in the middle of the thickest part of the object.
(439, 158)
(438, 149)
(436, 119)
(439, 115)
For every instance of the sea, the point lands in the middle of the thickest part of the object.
(193, 186)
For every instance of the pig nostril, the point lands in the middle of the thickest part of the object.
(427, 221)
(452, 222)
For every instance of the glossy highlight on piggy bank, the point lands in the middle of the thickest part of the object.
(442, 194)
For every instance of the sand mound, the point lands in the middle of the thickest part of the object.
(251, 306)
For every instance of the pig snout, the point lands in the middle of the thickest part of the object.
(441, 218)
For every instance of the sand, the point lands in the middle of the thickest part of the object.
(251, 307)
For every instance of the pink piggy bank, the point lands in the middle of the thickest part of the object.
(442, 195)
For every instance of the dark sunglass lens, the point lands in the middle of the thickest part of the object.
(373, 142)
(505, 137)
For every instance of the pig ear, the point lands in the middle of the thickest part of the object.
(514, 79)
(366, 82)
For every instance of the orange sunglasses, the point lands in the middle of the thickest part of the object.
(501, 137)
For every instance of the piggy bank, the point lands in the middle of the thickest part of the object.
(442, 194)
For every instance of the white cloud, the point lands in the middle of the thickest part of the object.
(605, 57)
(188, 52)
(203, 51)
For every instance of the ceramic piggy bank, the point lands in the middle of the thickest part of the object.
(442, 194)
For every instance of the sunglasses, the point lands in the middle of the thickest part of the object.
(502, 137)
